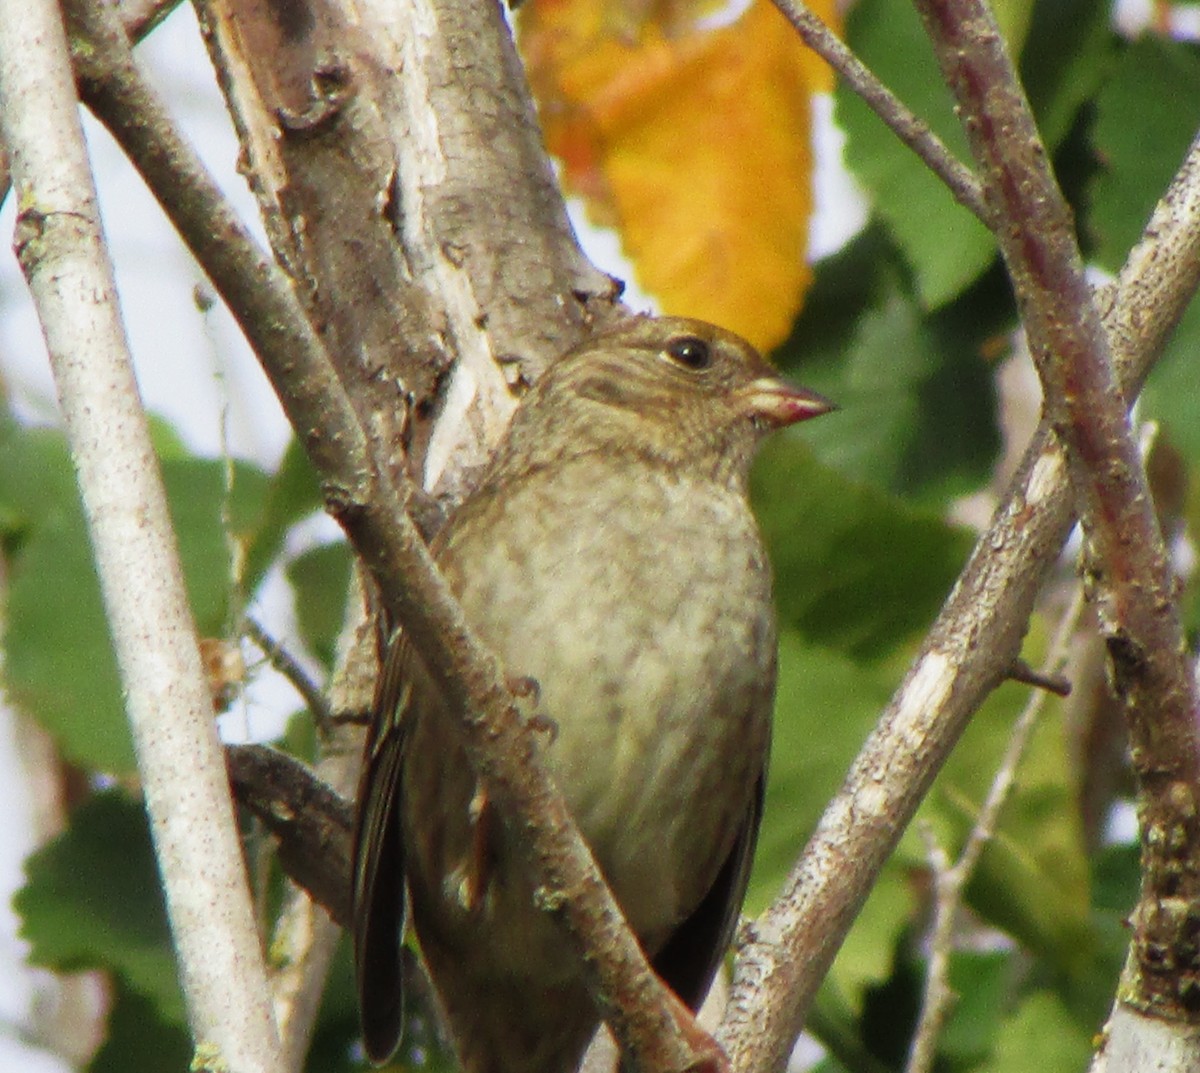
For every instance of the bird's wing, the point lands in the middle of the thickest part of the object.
(379, 908)
(689, 960)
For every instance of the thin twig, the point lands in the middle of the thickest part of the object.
(139, 17)
(905, 124)
(1020, 671)
(950, 881)
(287, 665)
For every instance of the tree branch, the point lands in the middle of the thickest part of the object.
(61, 248)
(288, 666)
(373, 513)
(138, 17)
(306, 937)
(313, 825)
(377, 171)
(792, 945)
(1132, 582)
(907, 126)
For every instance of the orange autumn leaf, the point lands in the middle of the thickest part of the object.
(690, 134)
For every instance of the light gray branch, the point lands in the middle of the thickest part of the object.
(61, 249)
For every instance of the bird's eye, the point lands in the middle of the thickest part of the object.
(690, 352)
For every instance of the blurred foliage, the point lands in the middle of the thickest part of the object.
(140, 1037)
(671, 125)
(320, 577)
(945, 247)
(92, 900)
(904, 327)
(917, 395)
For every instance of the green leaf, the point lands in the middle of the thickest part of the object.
(917, 401)
(300, 737)
(165, 439)
(92, 900)
(1117, 877)
(890, 1008)
(825, 704)
(829, 1064)
(60, 664)
(945, 246)
(1032, 901)
(139, 1040)
(1040, 1034)
(983, 982)
(1013, 18)
(1172, 392)
(1145, 120)
(1034, 879)
(293, 494)
(865, 959)
(1172, 398)
(856, 569)
(321, 578)
(1068, 51)
(835, 1024)
(203, 510)
(36, 479)
(1064, 49)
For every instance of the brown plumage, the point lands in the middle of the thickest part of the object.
(609, 554)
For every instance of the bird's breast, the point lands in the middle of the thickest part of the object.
(642, 608)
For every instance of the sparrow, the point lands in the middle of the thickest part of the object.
(610, 558)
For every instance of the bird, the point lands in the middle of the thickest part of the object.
(610, 558)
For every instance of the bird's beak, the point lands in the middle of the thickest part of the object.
(778, 403)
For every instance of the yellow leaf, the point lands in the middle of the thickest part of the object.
(687, 128)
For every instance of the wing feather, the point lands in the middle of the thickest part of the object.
(379, 876)
(689, 960)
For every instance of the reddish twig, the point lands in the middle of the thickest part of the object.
(1130, 571)
(792, 945)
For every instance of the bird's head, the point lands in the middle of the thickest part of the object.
(679, 391)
